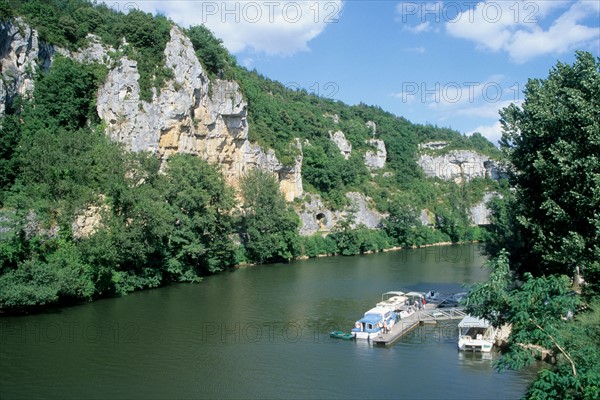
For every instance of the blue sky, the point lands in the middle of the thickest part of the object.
(449, 63)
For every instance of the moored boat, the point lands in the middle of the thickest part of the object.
(375, 321)
(476, 334)
(394, 299)
(341, 335)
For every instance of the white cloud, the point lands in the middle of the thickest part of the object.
(514, 27)
(272, 27)
(422, 27)
(493, 132)
(418, 49)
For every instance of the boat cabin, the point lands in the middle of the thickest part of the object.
(476, 334)
(373, 322)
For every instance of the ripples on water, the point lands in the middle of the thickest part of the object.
(257, 332)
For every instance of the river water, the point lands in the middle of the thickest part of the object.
(256, 332)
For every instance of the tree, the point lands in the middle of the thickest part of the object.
(210, 50)
(553, 144)
(202, 206)
(401, 224)
(551, 227)
(269, 226)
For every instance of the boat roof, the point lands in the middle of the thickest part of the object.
(378, 310)
(411, 294)
(370, 318)
(394, 298)
(473, 322)
(394, 292)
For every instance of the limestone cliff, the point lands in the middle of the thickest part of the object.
(190, 114)
(460, 164)
(342, 143)
(375, 159)
(22, 54)
(316, 218)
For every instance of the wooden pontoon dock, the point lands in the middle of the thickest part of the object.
(425, 315)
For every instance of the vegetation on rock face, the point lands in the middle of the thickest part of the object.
(270, 227)
(548, 230)
(67, 23)
(148, 226)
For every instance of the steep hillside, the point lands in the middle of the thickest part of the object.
(136, 153)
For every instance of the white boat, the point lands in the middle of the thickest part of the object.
(416, 299)
(476, 334)
(374, 322)
(394, 299)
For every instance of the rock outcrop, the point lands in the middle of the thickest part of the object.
(480, 213)
(340, 141)
(460, 164)
(190, 114)
(22, 54)
(376, 159)
(372, 126)
(88, 222)
(315, 217)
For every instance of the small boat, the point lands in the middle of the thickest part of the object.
(476, 334)
(453, 300)
(433, 296)
(341, 335)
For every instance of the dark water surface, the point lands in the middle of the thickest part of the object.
(257, 332)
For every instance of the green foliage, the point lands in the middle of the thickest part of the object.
(553, 144)
(155, 227)
(202, 205)
(402, 224)
(68, 22)
(10, 133)
(148, 35)
(210, 51)
(313, 246)
(582, 344)
(269, 226)
(550, 225)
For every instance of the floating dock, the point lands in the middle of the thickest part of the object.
(427, 315)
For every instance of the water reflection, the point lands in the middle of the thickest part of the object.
(259, 332)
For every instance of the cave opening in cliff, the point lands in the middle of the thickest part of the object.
(322, 220)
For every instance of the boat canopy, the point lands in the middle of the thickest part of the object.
(370, 319)
(473, 322)
(392, 293)
(414, 294)
(381, 311)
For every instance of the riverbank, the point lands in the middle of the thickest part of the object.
(386, 250)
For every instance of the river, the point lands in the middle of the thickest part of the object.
(256, 332)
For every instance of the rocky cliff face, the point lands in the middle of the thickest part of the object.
(460, 164)
(190, 114)
(340, 141)
(315, 217)
(376, 159)
(22, 54)
(480, 213)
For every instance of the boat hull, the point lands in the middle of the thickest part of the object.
(483, 346)
(366, 335)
